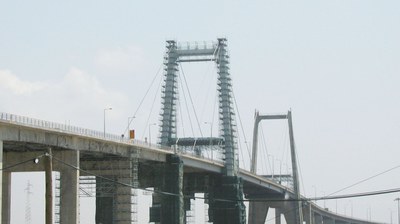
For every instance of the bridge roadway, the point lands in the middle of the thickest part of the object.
(23, 138)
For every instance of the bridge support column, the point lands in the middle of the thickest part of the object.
(6, 198)
(308, 214)
(169, 208)
(341, 222)
(69, 194)
(104, 204)
(155, 209)
(290, 214)
(317, 219)
(278, 216)
(114, 195)
(231, 208)
(123, 205)
(172, 206)
(328, 220)
(258, 212)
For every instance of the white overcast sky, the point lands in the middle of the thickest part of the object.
(335, 63)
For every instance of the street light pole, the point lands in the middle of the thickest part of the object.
(398, 209)
(104, 123)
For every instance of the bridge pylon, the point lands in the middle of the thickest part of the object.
(257, 210)
(226, 195)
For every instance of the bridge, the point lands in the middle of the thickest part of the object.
(113, 167)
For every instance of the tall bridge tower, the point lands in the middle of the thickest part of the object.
(230, 209)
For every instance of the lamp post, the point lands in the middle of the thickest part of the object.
(104, 124)
(398, 209)
(150, 132)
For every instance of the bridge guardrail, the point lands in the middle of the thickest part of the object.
(70, 129)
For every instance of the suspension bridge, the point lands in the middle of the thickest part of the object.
(112, 168)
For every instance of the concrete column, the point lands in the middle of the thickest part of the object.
(290, 209)
(317, 219)
(257, 212)
(6, 198)
(172, 206)
(104, 204)
(341, 222)
(328, 220)
(311, 215)
(123, 205)
(231, 209)
(278, 216)
(307, 216)
(155, 209)
(124, 195)
(69, 192)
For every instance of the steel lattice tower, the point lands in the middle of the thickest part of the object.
(213, 52)
(230, 187)
(169, 95)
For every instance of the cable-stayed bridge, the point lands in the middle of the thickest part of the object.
(112, 167)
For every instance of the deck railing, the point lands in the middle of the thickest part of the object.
(74, 130)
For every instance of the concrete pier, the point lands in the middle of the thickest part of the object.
(6, 197)
(69, 194)
(258, 212)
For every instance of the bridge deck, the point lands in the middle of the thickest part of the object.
(27, 135)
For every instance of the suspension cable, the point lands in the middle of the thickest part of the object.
(300, 173)
(264, 144)
(144, 97)
(187, 107)
(151, 108)
(364, 180)
(181, 115)
(191, 101)
(240, 121)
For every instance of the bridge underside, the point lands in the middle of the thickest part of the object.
(113, 170)
(110, 178)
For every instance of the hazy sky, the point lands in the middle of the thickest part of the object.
(335, 63)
